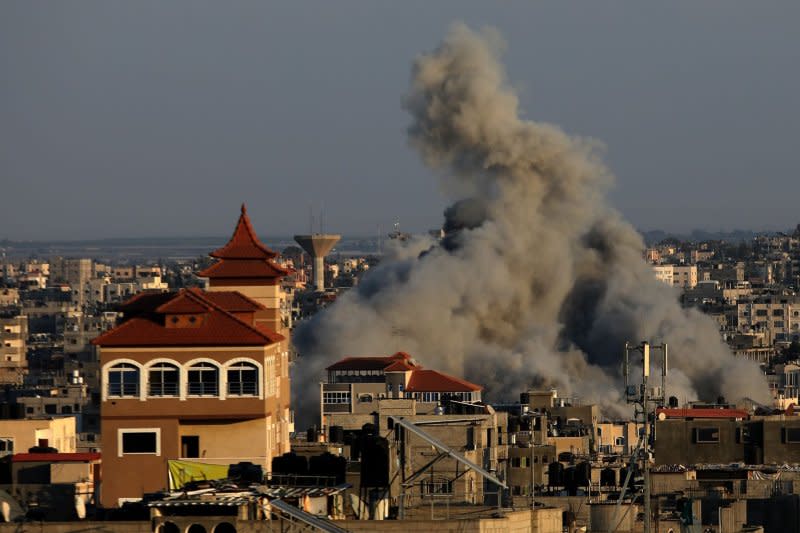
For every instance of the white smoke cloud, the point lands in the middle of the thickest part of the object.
(540, 283)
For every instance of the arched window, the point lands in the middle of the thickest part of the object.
(123, 381)
(243, 379)
(203, 380)
(163, 380)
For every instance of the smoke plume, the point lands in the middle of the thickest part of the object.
(539, 282)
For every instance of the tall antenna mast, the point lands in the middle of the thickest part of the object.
(644, 399)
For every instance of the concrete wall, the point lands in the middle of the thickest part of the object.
(59, 432)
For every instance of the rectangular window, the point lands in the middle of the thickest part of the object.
(619, 441)
(336, 397)
(706, 435)
(6, 445)
(135, 441)
(792, 435)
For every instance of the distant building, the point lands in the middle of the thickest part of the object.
(356, 385)
(13, 351)
(681, 276)
(775, 316)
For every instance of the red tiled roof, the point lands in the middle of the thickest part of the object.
(243, 268)
(146, 301)
(398, 366)
(182, 303)
(54, 457)
(368, 363)
(244, 243)
(433, 381)
(702, 413)
(218, 328)
(233, 301)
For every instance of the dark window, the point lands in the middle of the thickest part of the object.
(203, 380)
(793, 435)
(140, 442)
(761, 312)
(51, 409)
(163, 380)
(66, 409)
(243, 380)
(190, 446)
(29, 410)
(706, 435)
(123, 381)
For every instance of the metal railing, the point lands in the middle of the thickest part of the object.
(243, 388)
(203, 389)
(163, 389)
(121, 390)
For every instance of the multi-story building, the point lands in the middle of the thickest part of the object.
(13, 361)
(776, 316)
(77, 273)
(681, 276)
(197, 374)
(357, 387)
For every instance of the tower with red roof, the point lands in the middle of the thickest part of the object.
(197, 375)
(248, 266)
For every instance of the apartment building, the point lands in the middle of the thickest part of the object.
(357, 386)
(681, 276)
(13, 360)
(776, 316)
(196, 374)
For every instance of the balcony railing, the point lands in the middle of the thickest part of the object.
(203, 389)
(243, 388)
(122, 390)
(163, 389)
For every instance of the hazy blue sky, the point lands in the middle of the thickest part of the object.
(145, 118)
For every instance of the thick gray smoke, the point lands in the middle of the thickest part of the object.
(540, 283)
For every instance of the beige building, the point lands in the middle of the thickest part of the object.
(19, 436)
(777, 317)
(681, 276)
(13, 349)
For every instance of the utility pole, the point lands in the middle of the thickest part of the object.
(644, 397)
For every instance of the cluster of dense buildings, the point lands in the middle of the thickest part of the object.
(750, 289)
(161, 399)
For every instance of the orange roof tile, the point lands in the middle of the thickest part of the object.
(233, 301)
(244, 243)
(398, 366)
(433, 381)
(369, 362)
(183, 303)
(243, 268)
(219, 327)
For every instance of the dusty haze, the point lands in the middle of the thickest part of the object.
(540, 282)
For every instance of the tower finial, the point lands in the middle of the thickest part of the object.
(244, 209)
